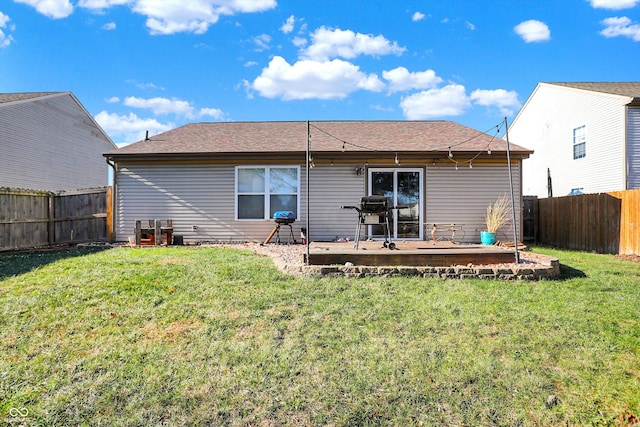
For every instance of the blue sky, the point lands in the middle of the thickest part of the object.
(139, 65)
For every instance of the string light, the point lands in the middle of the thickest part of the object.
(397, 160)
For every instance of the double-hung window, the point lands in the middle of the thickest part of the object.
(263, 190)
(579, 142)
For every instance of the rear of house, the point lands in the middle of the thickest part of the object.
(224, 181)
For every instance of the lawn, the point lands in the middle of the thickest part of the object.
(218, 336)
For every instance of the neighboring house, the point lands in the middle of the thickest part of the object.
(224, 181)
(586, 138)
(48, 141)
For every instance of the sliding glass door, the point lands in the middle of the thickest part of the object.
(403, 188)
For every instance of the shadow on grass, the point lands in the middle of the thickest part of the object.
(16, 263)
(568, 272)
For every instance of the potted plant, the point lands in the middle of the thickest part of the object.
(497, 215)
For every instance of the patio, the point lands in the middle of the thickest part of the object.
(408, 253)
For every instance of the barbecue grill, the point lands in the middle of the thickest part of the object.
(282, 218)
(373, 210)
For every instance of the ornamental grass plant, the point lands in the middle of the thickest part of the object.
(497, 214)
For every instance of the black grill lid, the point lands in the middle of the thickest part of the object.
(374, 204)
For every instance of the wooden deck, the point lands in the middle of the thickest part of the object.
(408, 253)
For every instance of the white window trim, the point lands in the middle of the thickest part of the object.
(267, 199)
(583, 142)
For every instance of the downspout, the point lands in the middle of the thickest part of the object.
(308, 233)
(113, 199)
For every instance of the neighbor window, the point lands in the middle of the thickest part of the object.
(261, 191)
(579, 142)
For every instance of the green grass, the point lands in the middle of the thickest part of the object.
(215, 336)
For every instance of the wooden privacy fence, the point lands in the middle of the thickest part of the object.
(38, 218)
(603, 223)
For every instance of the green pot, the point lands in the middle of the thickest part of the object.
(488, 237)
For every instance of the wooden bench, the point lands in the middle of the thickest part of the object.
(153, 234)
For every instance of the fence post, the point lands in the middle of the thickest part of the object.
(109, 214)
(51, 226)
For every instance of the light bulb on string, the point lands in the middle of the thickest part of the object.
(396, 159)
(450, 153)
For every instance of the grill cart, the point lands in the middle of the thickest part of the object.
(373, 210)
(282, 218)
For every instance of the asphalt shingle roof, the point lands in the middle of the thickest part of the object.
(631, 89)
(12, 97)
(326, 136)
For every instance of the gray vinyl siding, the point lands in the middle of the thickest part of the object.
(633, 148)
(51, 143)
(203, 195)
(190, 195)
(462, 196)
(330, 188)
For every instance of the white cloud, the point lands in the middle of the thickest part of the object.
(5, 39)
(470, 26)
(113, 100)
(418, 16)
(621, 26)
(288, 26)
(328, 43)
(99, 5)
(4, 20)
(450, 100)
(129, 128)
(300, 42)
(176, 16)
(614, 4)
(506, 101)
(533, 31)
(262, 42)
(109, 26)
(145, 86)
(401, 79)
(162, 106)
(55, 9)
(309, 79)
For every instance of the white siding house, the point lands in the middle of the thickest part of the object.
(585, 138)
(48, 141)
(223, 181)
